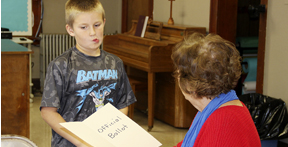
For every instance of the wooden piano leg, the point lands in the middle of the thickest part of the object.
(151, 99)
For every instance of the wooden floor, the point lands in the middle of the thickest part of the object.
(40, 132)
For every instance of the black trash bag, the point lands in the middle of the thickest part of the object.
(269, 115)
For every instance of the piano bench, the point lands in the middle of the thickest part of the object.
(137, 84)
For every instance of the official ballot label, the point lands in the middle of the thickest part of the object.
(110, 128)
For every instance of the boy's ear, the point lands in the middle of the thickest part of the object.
(69, 30)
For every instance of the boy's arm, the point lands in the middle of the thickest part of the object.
(53, 118)
(124, 110)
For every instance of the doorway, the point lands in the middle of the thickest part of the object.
(247, 34)
(223, 21)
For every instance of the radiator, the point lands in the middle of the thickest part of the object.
(51, 46)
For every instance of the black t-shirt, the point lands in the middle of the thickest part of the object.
(78, 85)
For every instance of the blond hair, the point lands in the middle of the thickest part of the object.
(75, 7)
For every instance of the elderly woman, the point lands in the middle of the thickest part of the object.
(207, 70)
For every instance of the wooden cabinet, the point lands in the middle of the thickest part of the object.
(15, 88)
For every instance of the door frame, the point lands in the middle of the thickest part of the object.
(261, 48)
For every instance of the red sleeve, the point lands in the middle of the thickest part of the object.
(228, 126)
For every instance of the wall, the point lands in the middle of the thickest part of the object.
(184, 12)
(275, 66)
(113, 12)
(54, 16)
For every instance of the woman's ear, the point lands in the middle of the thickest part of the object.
(69, 30)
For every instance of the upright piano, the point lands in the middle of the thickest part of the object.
(154, 57)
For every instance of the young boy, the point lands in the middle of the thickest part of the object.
(84, 78)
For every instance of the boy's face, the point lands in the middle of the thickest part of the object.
(88, 30)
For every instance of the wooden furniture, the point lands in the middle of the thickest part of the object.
(15, 88)
(27, 43)
(170, 20)
(137, 84)
(149, 55)
(153, 32)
